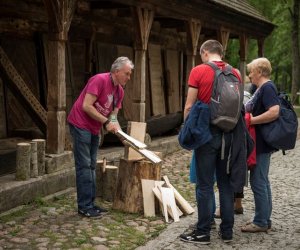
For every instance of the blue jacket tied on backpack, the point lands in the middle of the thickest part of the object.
(195, 131)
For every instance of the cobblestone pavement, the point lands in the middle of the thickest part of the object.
(285, 233)
(56, 225)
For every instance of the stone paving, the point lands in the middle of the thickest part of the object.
(285, 232)
(56, 225)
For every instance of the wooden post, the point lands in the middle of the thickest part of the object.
(243, 55)
(23, 161)
(41, 145)
(129, 195)
(33, 161)
(260, 45)
(223, 37)
(143, 18)
(60, 13)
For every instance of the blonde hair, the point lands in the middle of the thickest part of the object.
(261, 64)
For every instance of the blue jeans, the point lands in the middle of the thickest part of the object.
(193, 179)
(85, 147)
(209, 162)
(261, 189)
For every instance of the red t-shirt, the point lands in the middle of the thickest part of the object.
(202, 78)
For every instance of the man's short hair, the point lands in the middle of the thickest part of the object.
(261, 64)
(120, 62)
(213, 47)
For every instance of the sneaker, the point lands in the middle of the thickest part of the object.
(225, 238)
(195, 237)
(100, 210)
(213, 225)
(89, 213)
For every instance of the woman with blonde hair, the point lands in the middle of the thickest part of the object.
(264, 108)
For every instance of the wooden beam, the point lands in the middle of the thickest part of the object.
(243, 54)
(223, 37)
(21, 90)
(143, 18)
(60, 14)
(194, 31)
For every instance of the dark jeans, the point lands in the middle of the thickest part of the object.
(85, 147)
(209, 162)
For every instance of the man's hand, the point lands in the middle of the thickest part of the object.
(112, 127)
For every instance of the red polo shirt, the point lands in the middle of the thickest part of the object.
(202, 78)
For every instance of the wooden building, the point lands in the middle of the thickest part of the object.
(49, 48)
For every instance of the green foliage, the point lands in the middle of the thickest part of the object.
(278, 45)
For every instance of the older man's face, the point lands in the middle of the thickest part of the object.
(123, 75)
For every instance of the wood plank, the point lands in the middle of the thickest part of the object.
(137, 130)
(156, 80)
(183, 204)
(148, 197)
(157, 194)
(172, 76)
(168, 200)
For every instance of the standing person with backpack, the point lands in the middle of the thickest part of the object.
(264, 108)
(212, 157)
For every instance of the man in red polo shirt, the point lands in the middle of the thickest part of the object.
(208, 159)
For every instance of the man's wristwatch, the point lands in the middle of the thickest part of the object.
(105, 123)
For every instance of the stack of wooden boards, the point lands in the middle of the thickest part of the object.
(139, 179)
(171, 202)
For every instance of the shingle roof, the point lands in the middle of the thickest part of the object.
(242, 6)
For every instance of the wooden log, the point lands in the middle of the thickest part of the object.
(99, 174)
(33, 160)
(109, 180)
(129, 196)
(41, 147)
(23, 161)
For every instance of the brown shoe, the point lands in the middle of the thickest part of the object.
(252, 228)
(239, 210)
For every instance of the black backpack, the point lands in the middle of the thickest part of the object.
(282, 133)
(226, 98)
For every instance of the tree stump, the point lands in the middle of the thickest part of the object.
(23, 161)
(109, 182)
(33, 160)
(41, 147)
(129, 195)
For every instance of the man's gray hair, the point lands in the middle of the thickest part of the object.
(120, 62)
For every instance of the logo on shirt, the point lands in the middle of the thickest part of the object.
(109, 101)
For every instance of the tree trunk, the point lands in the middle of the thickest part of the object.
(295, 52)
(129, 195)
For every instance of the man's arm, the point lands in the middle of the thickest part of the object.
(88, 107)
(190, 100)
